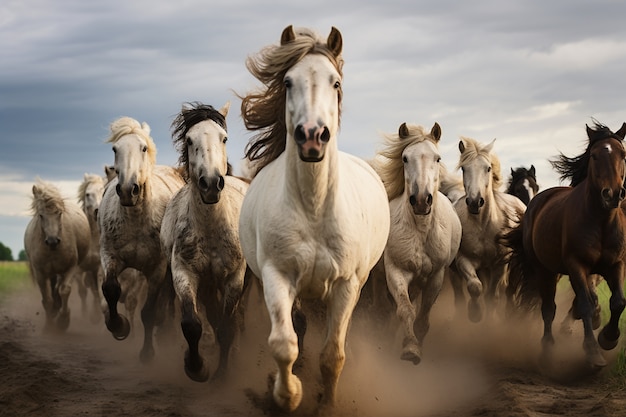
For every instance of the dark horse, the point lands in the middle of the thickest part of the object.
(577, 231)
(523, 183)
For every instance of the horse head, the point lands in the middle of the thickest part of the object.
(607, 169)
(135, 156)
(476, 163)
(90, 194)
(49, 206)
(313, 95)
(421, 160)
(523, 184)
(201, 139)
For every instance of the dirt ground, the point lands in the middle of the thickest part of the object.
(487, 369)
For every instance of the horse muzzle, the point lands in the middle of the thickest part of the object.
(612, 200)
(311, 142)
(210, 188)
(474, 204)
(421, 204)
(52, 242)
(128, 194)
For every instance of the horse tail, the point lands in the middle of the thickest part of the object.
(522, 291)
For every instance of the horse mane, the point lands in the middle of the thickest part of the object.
(46, 198)
(126, 126)
(474, 149)
(264, 110)
(82, 188)
(575, 168)
(391, 168)
(517, 174)
(190, 115)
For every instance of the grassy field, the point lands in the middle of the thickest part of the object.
(13, 276)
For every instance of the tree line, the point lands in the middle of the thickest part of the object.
(7, 255)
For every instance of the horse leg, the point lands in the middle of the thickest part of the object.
(227, 326)
(457, 287)
(116, 323)
(584, 305)
(64, 288)
(156, 282)
(45, 287)
(429, 296)
(283, 340)
(547, 292)
(609, 335)
(340, 306)
(398, 284)
(81, 282)
(474, 287)
(299, 326)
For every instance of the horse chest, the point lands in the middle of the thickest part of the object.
(216, 251)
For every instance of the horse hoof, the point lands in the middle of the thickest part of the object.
(596, 360)
(412, 354)
(120, 329)
(474, 311)
(196, 369)
(605, 342)
(290, 400)
(63, 321)
(146, 355)
(474, 287)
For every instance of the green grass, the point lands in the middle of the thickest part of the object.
(13, 276)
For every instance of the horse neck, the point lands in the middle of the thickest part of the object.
(314, 183)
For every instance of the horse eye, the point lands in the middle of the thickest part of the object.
(288, 83)
(489, 169)
(404, 159)
(225, 139)
(337, 84)
(188, 141)
(114, 149)
(438, 159)
(144, 149)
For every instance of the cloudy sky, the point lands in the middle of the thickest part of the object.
(529, 73)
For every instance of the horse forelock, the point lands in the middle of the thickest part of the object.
(87, 181)
(48, 199)
(192, 114)
(264, 110)
(128, 126)
(473, 150)
(391, 170)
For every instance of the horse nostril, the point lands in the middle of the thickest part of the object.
(118, 190)
(202, 184)
(481, 202)
(606, 193)
(429, 199)
(412, 200)
(135, 189)
(622, 193)
(325, 136)
(220, 183)
(299, 134)
(467, 201)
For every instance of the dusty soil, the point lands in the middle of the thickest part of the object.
(489, 369)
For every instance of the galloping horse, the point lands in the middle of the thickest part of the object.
(90, 193)
(56, 242)
(425, 230)
(314, 220)
(130, 222)
(523, 183)
(485, 214)
(577, 231)
(200, 234)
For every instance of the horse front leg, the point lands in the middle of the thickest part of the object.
(429, 296)
(117, 324)
(340, 306)
(63, 289)
(398, 284)
(609, 335)
(283, 342)
(467, 270)
(585, 307)
(45, 288)
(156, 283)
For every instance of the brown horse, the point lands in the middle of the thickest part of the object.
(577, 231)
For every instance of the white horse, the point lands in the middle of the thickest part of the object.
(486, 214)
(130, 222)
(425, 230)
(200, 234)
(56, 241)
(315, 220)
(90, 193)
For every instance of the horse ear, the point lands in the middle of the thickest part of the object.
(512, 171)
(435, 132)
(622, 131)
(403, 131)
(145, 127)
(461, 146)
(532, 170)
(489, 146)
(335, 41)
(224, 110)
(288, 35)
(36, 190)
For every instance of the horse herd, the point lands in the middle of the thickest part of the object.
(311, 222)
